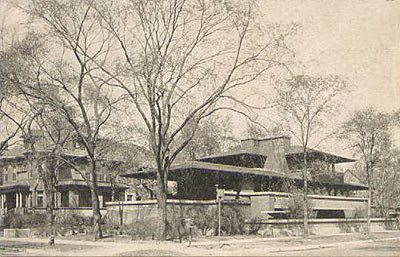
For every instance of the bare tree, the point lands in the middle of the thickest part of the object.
(387, 182)
(180, 62)
(12, 117)
(368, 133)
(10, 127)
(213, 135)
(61, 75)
(44, 130)
(305, 103)
(48, 135)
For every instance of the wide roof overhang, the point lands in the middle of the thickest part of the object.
(237, 158)
(230, 171)
(296, 153)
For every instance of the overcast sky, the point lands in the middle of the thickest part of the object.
(358, 40)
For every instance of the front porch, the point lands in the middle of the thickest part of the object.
(22, 198)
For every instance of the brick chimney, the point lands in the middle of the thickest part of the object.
(275, 149)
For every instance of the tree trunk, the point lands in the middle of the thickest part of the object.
(161, 208)
(50, 211)
(305, 200)
(369, 211)
(98, 234)
(48, 176)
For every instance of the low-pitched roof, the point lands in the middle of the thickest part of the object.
(298, 150)
(229, 169)
(231, 153)
(241, 158)
(199, 165)
(14, 188)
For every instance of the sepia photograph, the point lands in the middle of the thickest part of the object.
(200, 128)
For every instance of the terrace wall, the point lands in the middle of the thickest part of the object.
(137, 211)
(293, 227)
(263, 203)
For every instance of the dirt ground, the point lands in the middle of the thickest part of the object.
(379, 244)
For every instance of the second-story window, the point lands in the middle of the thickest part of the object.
(5, 177)
(14, 176)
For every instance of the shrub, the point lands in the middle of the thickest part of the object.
(255, 226)
(143, 228)
(360, 212)
(72, 223)
(32, 220)
(35, 220)
(204, 218)
(17, 221)
(295, 206)
(232, 220)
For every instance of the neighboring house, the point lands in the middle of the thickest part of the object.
(21, 187)
(259, 170)
(350, 177)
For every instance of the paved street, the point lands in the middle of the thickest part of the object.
(383, 244)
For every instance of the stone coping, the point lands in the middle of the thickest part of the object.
(327, 197)
(316, 221)
(178, 202)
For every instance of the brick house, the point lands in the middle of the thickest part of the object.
(258, 171)
(21, 187)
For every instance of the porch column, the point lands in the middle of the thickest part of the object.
(2, 201)
(29, 201)
(16, 200)
(55, 200)
(73, 199)
(101, 201)
(58, 199)
(20, 200)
